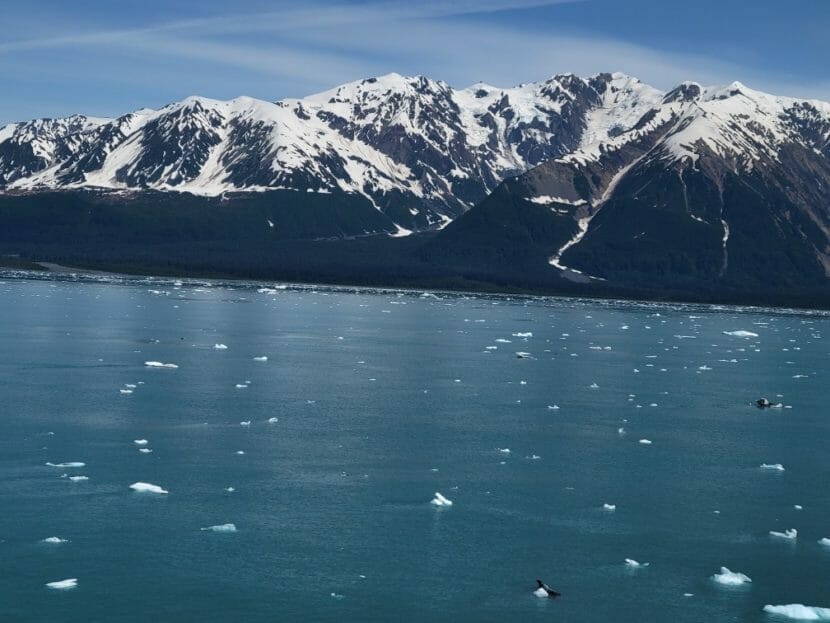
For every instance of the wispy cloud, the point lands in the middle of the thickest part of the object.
(318, 45)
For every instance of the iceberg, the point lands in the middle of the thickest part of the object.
(273, 420)
(440, 500)
(741, 333)
(68, 464)
(159, 364)
(220, 347)
(609, 507)
(776, 467)
(78, 478)
(630, 562)
(140, 442)
(645, 442)
(53, 540)
(262, 358)
(63, 585)
(799, 612)
(730, 578)
(146, 487)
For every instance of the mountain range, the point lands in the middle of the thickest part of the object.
(600, 184)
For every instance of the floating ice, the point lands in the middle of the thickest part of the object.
(125, 391)
(230, 489)
(526, 334)
(146, 487)
(621, 431)
(68, 464)
(504, 450)
(240, 451)
(791, 534)
(263, 358)
(140, 442)
(273, 420)
(777, 467)
(798, 507)
(799, 612)
(225, 527)
(145, 450)
(523, 355)
(825, 542)
(241, 386)
(63, 585)
(56, 540)
(541, 592)
(645, 442)
(130, 385)
(440, 500)
(594, 386)
(159, 364)
(553, 407)
(740, 333)
(78, 478)
(630, 562)
(245, 423)
(501, 340)
(220, 347)
(730, 578)
(609, 507)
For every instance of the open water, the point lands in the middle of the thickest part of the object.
(381, 399)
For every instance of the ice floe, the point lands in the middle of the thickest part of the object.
(645, 442)
(245, 423)
(799, 612)
(225, 527)
(440, 500)
(159, 364)
(525, 334)
(230, 489)
(524, 355)
(146, 487)
(125, 391)
(541, 592)
(824, 541)
(609, 507)
(63, 585)
(775, 467)
(791, 534)
(273, 420)
(220, 347)
(145, 450)
(53, 540)
(67, 464)
(262, 358)
(79, 478)
(504, 450)
(241, 386)
(140, 442)
(741, 333)
(730, 578)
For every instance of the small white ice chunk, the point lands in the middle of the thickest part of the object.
(140, 442)
(775, 467)
(730, 578)
(220, 347)
(825, 542)
(609, 507)
(63, 585)
(630, 562)
(440, 500)
(53, 540)
(273, 420)
(791, 534)
(67, 464)
(740, 333)
(146, 487)
(262, 358)
(225, 527)
(645, 442)
(159, 364)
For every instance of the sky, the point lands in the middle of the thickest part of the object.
(106, 58)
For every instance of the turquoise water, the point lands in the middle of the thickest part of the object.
(383, 399)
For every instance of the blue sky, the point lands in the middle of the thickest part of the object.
(103, 57)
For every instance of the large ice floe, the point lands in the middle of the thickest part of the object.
(146, 487)
(63, 585)
(440, 500)
(799, 612)
(730, 578)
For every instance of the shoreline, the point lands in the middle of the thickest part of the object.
(56, 270)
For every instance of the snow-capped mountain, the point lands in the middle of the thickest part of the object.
(620, 180)
(410, 142)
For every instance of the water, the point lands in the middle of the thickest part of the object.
(383, 399)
